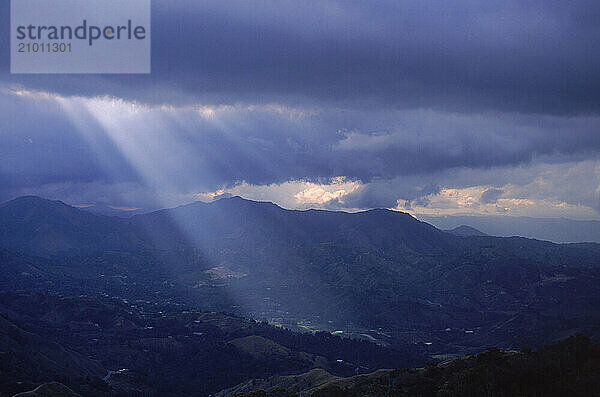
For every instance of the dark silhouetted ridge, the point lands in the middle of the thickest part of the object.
(466, 231)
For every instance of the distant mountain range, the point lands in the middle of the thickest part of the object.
(465, 231)
(379, 275)
(558, 230)
(102, 209)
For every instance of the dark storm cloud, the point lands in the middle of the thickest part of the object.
(385, 193)
(539, 56)
(398, 95)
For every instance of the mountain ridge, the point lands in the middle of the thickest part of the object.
(558, 230)
(320, 270)
(466, 231)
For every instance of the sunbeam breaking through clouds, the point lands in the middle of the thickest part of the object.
(151, 156)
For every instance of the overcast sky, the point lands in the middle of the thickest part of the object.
(435, 107)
